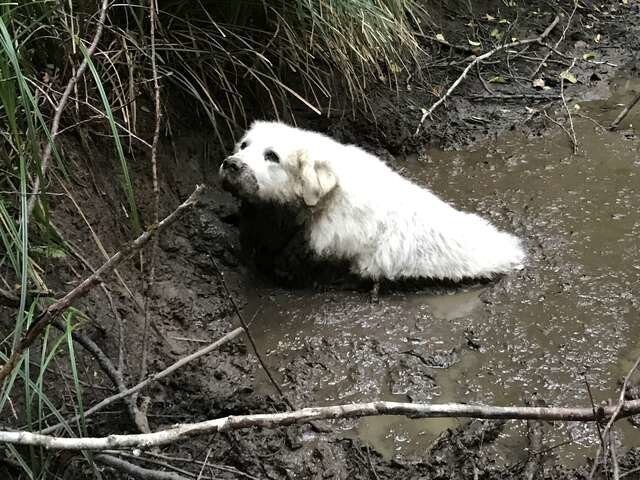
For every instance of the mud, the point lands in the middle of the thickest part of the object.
(570, 315)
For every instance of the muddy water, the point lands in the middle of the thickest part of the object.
(571, 315)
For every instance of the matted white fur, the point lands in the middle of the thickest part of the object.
(386, 226)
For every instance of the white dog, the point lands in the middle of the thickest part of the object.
(362, 211)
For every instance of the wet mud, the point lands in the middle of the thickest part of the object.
(569, 318)
(537, 335)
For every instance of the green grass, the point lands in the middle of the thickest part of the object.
(231, 60)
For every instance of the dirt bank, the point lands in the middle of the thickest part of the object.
(189, 306)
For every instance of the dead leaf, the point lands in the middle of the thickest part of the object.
(497, 79)
(440, 38)
(589, 55)
(538, 83)
(568, 76)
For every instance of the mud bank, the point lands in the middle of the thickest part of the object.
(571, 315)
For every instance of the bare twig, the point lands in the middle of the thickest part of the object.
(480, 58)
(593, 407)
(154, 378)
(52, 311)
(625, 111)
(483, 81)
(137, 471)
(115, 374)
(306, 415)
(191, 461)
(572, 135)
(564, 33)
(516, 96)
(153, 20)
(614, 457)
(106, 365)
(55, 123)
(617, 412)
(249, 336)
(534, 462)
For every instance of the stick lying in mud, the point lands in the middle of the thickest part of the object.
(624, 113)
(307, 415)
(152, 378)
(479, 59)
(617, 412)
(58, 307)
(137, 471)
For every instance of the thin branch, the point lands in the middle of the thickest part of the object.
(564, 33)
(593, 407)
(306, 415)
(617, 413)
(249, 336)
(614, 457)
(137, 471)
(52, 311)
(480, 58)
(572, 135)
(106, 365)
(624, 113)
(153, 378)
(55, 123)
(153, 20)
(535, 433)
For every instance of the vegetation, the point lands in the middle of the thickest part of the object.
(267, 53)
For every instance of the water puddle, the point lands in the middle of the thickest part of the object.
(572, 314)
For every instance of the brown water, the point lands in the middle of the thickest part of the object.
(572, 314)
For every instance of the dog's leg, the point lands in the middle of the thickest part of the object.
(375, 292)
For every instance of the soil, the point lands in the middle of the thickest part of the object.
(268, 270)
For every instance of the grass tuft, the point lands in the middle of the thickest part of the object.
(232, 60)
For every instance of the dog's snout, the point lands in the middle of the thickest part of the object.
(232, 164)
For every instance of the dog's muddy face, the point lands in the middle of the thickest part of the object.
(277, 163)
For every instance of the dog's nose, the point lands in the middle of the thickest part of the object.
(232, 164)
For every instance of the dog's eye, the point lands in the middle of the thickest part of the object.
(271, 156)
(243, 145)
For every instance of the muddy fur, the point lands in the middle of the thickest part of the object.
(361, 211)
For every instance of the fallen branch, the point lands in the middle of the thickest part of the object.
(308, 415)
(479, 59)
(55, 309)
(137, 471)
(153, 378)
(617, 413)
(106, 365)
(564, 33)
(55, 123)
(625, 111)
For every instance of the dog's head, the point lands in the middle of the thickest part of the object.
(278, 163)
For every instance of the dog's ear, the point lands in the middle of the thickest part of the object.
(316, 179)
